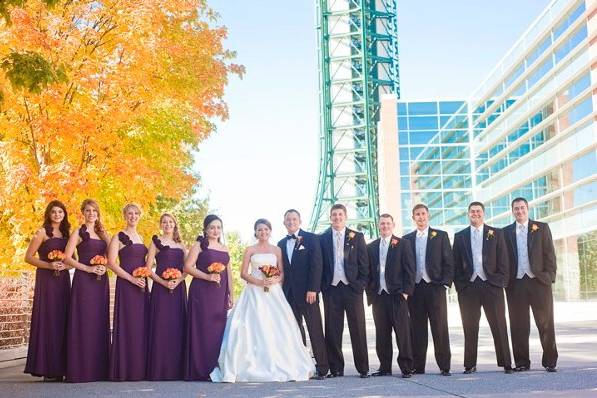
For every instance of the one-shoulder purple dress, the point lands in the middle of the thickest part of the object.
(167, 319)
(46, 354)
(88, 335)
(128, 356)
(207, 318)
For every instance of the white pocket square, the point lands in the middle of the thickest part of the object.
(301, 247)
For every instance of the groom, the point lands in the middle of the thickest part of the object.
(345, 276)
(301, 253)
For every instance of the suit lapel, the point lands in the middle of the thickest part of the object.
(376, 264)
(428, 249)
(330, 248)
(285, 252)
(467, 243)
(530, 236)
(512, 237)
(391, 253)
(346, 245)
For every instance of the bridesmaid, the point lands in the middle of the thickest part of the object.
(168, 308)
(88, 322)
(46, 355)
(210, 298)
(128, 355)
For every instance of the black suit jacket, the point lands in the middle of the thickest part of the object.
(439, 261)
(542, 256)
(495, 257)
(304, 273)
(400, 268)
(356, 262)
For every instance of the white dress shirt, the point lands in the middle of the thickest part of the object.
(384, 244)
(338, 242)
(524, 266)
(421, 252)
(290, 244)
(477, 251)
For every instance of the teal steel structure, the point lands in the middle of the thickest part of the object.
(358, 63)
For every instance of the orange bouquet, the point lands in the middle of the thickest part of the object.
(171, 274)
(216, 268)
(56, 255)
(99, 260)
(269, 271)
(142, 272)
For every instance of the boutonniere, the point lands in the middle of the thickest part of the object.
(433, 234)
(394, 242)
(490, 234)
(299, 243)
(534, 228)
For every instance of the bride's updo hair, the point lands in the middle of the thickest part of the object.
(261, 221)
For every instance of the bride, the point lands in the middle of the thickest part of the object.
(262, 341)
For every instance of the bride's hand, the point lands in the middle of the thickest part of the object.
(267, 282)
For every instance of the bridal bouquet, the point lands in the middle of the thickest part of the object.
(216, 268)
(171, 274)
(99, 260)
(141, 272)
(269, 271)
(56, 255)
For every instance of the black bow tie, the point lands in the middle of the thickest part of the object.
(293, 236)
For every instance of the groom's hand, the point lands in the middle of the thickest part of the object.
(311, 297)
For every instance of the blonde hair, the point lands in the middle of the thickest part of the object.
(175, 235)
(99, 227)
(131, 206)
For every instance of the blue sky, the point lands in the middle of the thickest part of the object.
(265, 158)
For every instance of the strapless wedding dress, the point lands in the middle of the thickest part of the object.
(262, 341)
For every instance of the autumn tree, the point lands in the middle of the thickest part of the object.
(106, 100)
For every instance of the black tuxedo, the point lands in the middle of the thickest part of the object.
(302, 274)
(429, 304)
(488, 294)
(345, 298)
(535, 293)
(390, 308)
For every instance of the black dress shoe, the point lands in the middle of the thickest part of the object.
(468, 371)
(335, 374)
(318, 377)
(382, 373)
(407, 375)
(446, 372)
(508, 370)
(551, 369)
(417, 372)
(522, 368)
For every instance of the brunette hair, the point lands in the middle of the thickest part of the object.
(262, 221)
(64, 224)
(202, 239)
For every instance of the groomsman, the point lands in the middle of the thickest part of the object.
(434, 274)
(480, 275)
(392, 281)
(301, 253)
(532, 271)
(345, 276)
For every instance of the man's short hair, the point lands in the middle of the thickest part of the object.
(476, 204)
(340, 207)
(292, 211)
(519, 199)
(386, 215)
(420, 206)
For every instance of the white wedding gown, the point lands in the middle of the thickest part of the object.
(262, 341)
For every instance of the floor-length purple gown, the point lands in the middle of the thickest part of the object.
(88, 335)
(128, 355)
(207, 318)
(46, 354)
(167, 319)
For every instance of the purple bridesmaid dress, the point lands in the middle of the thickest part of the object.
(88, 335)
(207, 317)
(131, 314)
(46, 355)
(167, 319)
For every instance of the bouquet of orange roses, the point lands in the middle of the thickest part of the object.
(216, 268)
(56, 255)
(142, 272)
(269, 271)
(99, 260)
(171, 274)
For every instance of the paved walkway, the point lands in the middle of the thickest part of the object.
(576, 333)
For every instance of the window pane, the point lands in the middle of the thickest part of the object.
(423, 123)
(451, 107)
(422, 108)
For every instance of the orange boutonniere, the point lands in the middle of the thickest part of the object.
(433, 234)
(534, 228)
(490, 234)
(394, 242)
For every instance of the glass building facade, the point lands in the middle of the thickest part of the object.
(528, 130)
